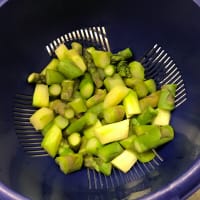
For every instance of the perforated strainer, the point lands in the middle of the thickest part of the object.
(158, 65)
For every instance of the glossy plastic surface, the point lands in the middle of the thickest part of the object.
(28, 26)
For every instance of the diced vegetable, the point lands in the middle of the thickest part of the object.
(114, 114)
(41, 118)
(69, 69)
(109, 151)
(98, 110)
(70, 162)
(51, 140)
(115, 96)
(125, 160)
(41, 96)
(113, 132)
(131, 104)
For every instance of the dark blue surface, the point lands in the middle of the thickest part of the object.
(27, 26)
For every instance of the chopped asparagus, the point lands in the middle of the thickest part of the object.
(109, 151)
(78, 47)
(86, 86)
(53, 76)
(36, 78)
(125, 160)
(70, 163)
(109, 70)
(115, 96)
(100, 58)
(78, 105)
(114, 114)
(131, 104)
(61, 121)
(92, 145)
(74, 141)
(167, 97)
(114, 81)
(151, 85)
(69, 69)
(41, 96)
(137, 70)
(51, 140)
(67, 89)
(162, 118)
(51, 65)
(40, 118)
(113, 132)
(147, 116)
(98, 97)
(54, 90)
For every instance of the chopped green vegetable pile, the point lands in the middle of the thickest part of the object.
(96, 109)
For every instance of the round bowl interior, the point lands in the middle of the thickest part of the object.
(28, 26)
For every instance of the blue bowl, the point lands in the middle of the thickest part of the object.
(28, 26)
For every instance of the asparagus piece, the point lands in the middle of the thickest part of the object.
(96, 109)
(87, 119)
(98, 165)
(109, 70)
(92, 146)
(69, 113)
(98, 97)
(78, 47)
(36, 78)
(109, 151)
(78, 105)
(67, 89)
(142, 129)
(114, 81)
(41, 117)
(70, 163)
(138, 85)
(162, 118)
(74, 141)
(61, 51)
(150, 100)
(86, 86)
(131, 104)
(151, 85)
(125, 160)
(167, 97)
(41, 96)
(123, 69)
(92, 69)
(104, 167)
(47, 127)
(76, 126)
(145, 156)
(51, 65)
(112, 132)
(53, 76)
(89, 132)
(51, 140)
(101, 58)
(54, 90)
(58, 106)
(137, 70)
(147, 116)
(61, 121)
(121, 55)
(64, 148)
(128, 142)
(114, 114)
(115, 96)
(69, 69)
(155, 137)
